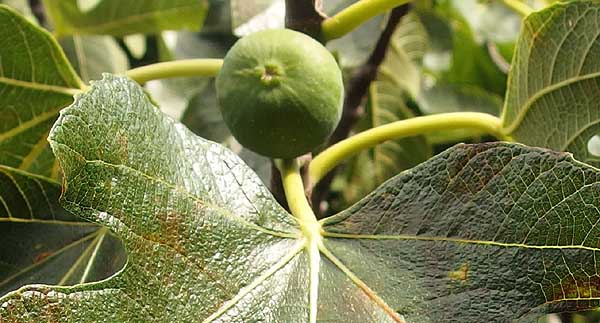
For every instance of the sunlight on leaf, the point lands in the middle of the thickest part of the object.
(36, 81)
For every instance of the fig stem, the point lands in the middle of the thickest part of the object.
(179, 68)
(519, 7)
(332, 156)
(354, 15)
(293, 187)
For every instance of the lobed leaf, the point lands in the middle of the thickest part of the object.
(204, 237)
(554, 85)
(480, 233)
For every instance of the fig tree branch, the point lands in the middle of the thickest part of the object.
(304, 16)
(355, 91)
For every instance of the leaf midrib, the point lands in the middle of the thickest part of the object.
(329, 234)
(40, 86)
(40, 118)
(256, 282)
(52, 256)
(538, 95)
(40, 221)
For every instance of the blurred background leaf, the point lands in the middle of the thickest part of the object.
(119, 18)
(248, 16)
(354, 48)
(93, 55)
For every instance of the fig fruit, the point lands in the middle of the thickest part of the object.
(280, 93)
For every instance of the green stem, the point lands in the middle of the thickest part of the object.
(311, 228)
(294, 194)
(332, 156)
(180, 68)
(354, 15)
(519, 7)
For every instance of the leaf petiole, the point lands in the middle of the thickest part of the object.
(179, 68)
(354, 15)
(311, 228)
(332, 156)
(295, 196)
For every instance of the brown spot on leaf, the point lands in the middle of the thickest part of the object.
(573, 288)
(462, 274)
(41, 256)
(122, 146)
(169, 231)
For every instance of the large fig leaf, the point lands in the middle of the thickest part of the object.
(42, 243)
(36, 81)
(481, 233)
(553, 97)
(119, 18)
(204, 236)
